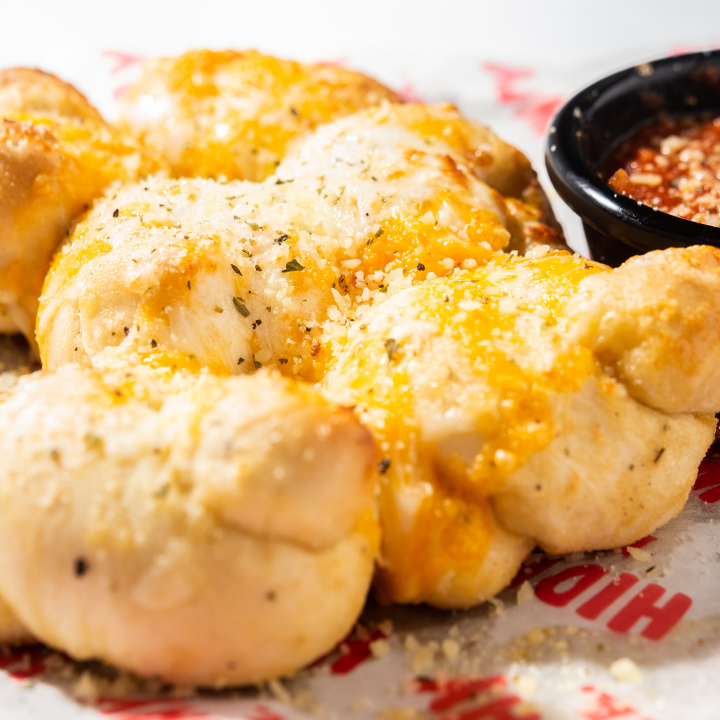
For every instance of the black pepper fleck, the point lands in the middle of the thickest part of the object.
(81, 566)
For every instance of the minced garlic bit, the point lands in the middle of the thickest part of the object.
(651, 179)
(625, 669)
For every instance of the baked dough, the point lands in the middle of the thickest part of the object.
(232, 114)
(167, 517)
(509, 409)
(56, 156)
(192, 273)
(207, 530)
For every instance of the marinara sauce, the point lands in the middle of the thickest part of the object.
(672, 165)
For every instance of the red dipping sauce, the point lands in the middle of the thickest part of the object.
(673, 166)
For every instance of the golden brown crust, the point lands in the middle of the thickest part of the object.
(56, 155)
(492, 400)
(654, 322)
(206, 530)
(533, 212)
(233, 114)
(372, 201)
(41, 95)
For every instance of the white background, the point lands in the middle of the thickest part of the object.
(552, 32)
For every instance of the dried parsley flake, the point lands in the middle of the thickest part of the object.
(293, 266)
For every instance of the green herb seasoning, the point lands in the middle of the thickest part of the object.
(293, 266)
(391, 347)
(240, 307)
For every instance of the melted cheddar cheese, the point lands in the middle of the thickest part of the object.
(453, 377)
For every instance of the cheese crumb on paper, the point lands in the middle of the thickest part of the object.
(639, 554)
(625, 669)
(450, 648)
(278, 691)
(527, 685)
(525, 593)
(421, 656)
(400, 713)
(380, 648)
(498, 609)
(360, 704)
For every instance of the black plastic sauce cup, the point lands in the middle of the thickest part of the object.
(592, 124)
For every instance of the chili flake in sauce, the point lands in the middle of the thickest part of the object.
(673, 165)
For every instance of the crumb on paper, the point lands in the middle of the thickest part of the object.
(411, 643)
(360, 704)
(423, 659)
(639, 554)
(321, 670)
(380, 648)
(527, 685)
(279, 692)
(450, 648)
(526, 709)
(525, 593)
(386, 627)
(86, 688)
(306, 701)
(399, 713)
(535, 636)
(498, 607)
(421, 656)
(625, 669)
